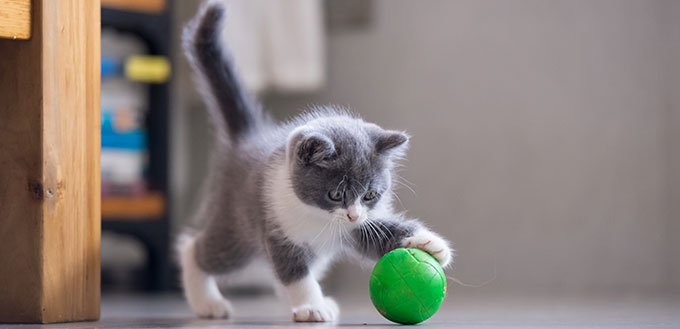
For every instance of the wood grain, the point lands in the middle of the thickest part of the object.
(49, 166)
(15, 19)
(21, 210)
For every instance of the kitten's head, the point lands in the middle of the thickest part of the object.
(343, 165)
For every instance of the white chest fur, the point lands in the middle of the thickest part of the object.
(328, 233)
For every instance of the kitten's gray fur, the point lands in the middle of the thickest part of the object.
(326, 148)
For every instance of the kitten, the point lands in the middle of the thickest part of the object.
(298, 194)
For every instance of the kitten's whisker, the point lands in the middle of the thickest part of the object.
(342, 235)
(348, 236)
(364, 238)
(342, 247)
(380, 227)
(405, 180)
(398, 199)
(318, 234)
(335, 228)
(406, 186)
(386, 229)
(373, 238)
(380, 230)
(364, 228)
(331, 239)
(372, 226)
(326, 240)
(401, 178)
(377, 237)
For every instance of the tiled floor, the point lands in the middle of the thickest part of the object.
(170, 311)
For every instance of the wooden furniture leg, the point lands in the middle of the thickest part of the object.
(49, 165)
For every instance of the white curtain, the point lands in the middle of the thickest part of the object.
(277, 44)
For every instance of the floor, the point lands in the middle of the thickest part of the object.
(170, 311)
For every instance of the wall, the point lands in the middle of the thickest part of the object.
(674, 143)
(541, 135)
(191, 137)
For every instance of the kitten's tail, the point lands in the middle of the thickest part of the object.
(233, 112)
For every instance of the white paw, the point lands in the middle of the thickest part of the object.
(327, 311)
(431, 243)
(212, 308)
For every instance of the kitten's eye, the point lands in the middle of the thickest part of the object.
(335, 195)
(370, 196)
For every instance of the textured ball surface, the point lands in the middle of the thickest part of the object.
(407, 286)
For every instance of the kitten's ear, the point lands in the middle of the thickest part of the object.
(310, 147)
(391, 140)
(314, 149)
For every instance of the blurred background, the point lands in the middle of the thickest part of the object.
(546, 134)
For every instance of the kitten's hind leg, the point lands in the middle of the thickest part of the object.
(200, 288)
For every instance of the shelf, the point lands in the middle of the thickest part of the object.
(147, 219)
(149, 6)
(149, 207)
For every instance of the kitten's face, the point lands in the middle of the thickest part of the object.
(344, 170)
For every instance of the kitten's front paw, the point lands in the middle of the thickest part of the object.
(212, 308)
(432, 244)
(327, 311)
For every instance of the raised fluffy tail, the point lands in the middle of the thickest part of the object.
(234, 113)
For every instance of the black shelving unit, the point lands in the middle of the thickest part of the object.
(155, 30)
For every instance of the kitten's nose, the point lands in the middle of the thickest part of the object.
(353, 212)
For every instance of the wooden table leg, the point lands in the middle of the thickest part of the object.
(49, 166)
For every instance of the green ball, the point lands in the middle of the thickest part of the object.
(407, 286)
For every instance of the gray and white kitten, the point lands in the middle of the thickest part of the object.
(298, 194)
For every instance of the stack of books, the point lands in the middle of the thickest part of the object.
(123, 105)
(124, 140)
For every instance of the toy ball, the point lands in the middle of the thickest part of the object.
(407, 286)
